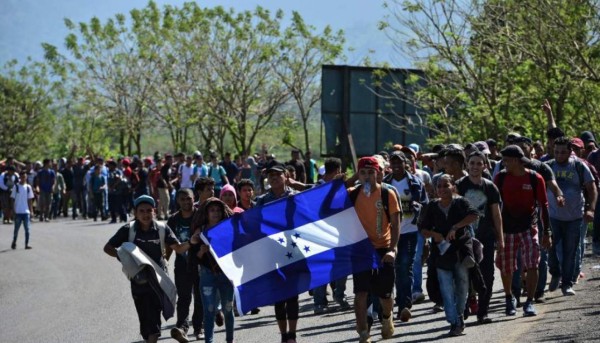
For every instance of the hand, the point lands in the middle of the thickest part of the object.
(588, 216)
(389, 257)
(451, 235)
(546, 107)
(547, 241)
(560, 200)
(194, 239)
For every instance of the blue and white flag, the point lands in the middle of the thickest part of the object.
(291, 245)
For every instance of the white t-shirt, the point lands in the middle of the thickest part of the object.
(186, 176)
(405, 199)
(21, 194)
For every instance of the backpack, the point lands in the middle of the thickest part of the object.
(532, 179)
(161, 234)
(384, 199)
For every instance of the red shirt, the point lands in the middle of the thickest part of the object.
(519, 207)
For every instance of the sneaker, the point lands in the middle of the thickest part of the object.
(455, 330)
(529, 310)
(344, 305)
(404, 315)
(387, 327)
(28, 247)
(255, 311)
(568, 291)
(219, 319)
(554, 283)
(511, 304)
(364, 337)
(418, 298)
(13, 246)
(199, 334)
(539, 297)
(438, 308)
(179, 335)
(319, 309)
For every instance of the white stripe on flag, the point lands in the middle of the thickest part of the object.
(281, 249)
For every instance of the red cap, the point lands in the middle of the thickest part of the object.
(368, 162)
(148, 160)
(126, 162)
(577, 142)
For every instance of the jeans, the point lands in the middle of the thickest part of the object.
(79, 202)
(55, 208)
(320, 293)
(22, 218)
(187, 289)
(580, 251)
(454, 288)
(211, 284)
(404, 269)
(487, 271)
(565, 233)
(418, 265)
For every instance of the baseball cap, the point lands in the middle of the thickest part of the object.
(368, 162)
(144, 199)
(276, 166)
(398, 154)
(587, 136)
(483, 147)
(577, 142)
(514, 151)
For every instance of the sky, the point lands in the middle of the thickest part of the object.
(25, 24)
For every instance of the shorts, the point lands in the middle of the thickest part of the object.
(527, 241)
(379, 282)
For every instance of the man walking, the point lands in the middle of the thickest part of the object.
(384, 234)
(524, 194)
(577, 183)
(22, 194)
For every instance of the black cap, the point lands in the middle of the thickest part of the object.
(398, 154)
(275, 165)
(491, 142)
(587, 136)
(514, 151)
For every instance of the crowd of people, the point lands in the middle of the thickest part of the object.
(462, 210)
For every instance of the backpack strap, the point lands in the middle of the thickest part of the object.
(533, 180)
(385, 200)
(579, 169)
(161, 234)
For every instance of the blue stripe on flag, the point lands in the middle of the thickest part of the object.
(281, 215)
(307, 274)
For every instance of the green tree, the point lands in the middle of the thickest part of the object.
(304, 51)
(26, 111)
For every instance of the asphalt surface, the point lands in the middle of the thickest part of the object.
(67, 290)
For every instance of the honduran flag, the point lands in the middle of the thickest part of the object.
(291, 245)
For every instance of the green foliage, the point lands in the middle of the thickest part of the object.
(489, 65)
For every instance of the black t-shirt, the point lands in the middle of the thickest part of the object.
(143, 180)
(541, 168)
(148, 241)
(67, 174)
(182, 229)
(433, 217)
(79, 173)
(480, 197)
(299, 167)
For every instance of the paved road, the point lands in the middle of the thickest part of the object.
(67, 290)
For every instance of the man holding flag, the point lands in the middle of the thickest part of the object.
(381, 224)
